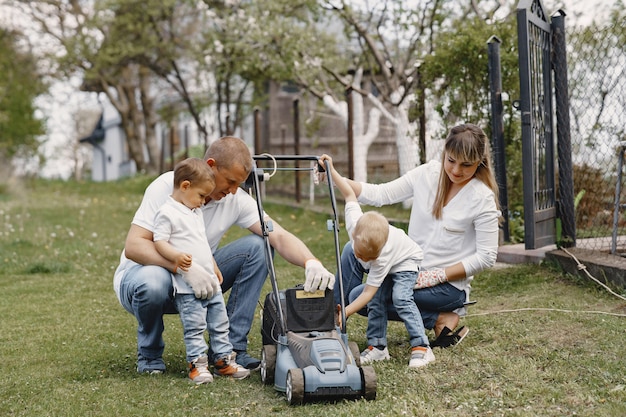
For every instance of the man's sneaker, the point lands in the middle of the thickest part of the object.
(199, 370)
(421, 356)
(227, 366)
(373, 354)
(150, 366)
(247, 361)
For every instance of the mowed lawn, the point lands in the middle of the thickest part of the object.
(541, 343)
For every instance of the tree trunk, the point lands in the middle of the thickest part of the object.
(150, 121)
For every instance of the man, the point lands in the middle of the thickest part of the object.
(143, 281)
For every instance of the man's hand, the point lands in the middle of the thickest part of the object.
(317, 277)
(203, 284)
(430, 278)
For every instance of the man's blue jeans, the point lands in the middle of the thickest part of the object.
(430, 301)
(147, 293)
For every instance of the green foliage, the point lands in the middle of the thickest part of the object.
(458, 74)
(20, 84)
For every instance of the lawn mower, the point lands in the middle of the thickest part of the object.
(306, 355)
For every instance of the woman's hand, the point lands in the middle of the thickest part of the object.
(430, 278)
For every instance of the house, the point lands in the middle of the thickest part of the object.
(111, 159)
(319, 132)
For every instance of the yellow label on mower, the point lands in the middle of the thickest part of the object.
(303, 294)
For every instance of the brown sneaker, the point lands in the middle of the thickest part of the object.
(226, 366)
(199, 371)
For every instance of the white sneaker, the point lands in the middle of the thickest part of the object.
(421, 356)
(372, 354)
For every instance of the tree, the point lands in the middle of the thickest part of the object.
(388, 41)
(20, 84)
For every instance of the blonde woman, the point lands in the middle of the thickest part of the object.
(454, 218)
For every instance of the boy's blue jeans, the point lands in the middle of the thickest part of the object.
(430, 301)
(147, 293)
(197, 316)
(397, 287)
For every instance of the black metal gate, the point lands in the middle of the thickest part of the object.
(533, 31)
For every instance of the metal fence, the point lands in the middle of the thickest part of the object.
(597, 96)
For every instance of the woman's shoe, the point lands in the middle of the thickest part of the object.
(447, 338)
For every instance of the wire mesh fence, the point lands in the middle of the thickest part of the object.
(597, 92)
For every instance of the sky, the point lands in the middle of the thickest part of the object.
(64, 101)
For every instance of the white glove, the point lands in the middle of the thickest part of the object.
(430, 278)
(317, 276)
(204, 284)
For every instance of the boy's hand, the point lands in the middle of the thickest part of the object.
(183, 261)
(338, 320)
(220, 278)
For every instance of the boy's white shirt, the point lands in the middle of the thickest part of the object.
(234, 209)
(184, 229)
(400, 252)
(467, 231)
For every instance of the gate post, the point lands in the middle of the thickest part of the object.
(497, 130)
(564, 140)
(533, 34)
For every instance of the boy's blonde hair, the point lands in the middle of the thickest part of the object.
(194, 170)
(370, 234)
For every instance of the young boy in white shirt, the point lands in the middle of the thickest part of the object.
(180, 237)
(393, 262)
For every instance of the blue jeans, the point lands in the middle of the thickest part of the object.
(147, 293)
(399, 288)
(197, 316)
(430, 301)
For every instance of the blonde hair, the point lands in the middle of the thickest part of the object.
(370, 234)
(465, 143)
(229, 152)
(194, 170)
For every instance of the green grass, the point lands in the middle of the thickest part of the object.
(67, 347)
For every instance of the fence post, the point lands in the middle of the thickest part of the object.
(296, 143)
(497, 130)
(186, 140)
(349, 92)
(566, 207)
(257, 132)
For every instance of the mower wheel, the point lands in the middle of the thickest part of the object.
(354, 349)
(268, 364)
(295, 386)
(368, 378)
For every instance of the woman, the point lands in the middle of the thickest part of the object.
(454, 218)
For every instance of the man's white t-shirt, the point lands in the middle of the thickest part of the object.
(234, 209)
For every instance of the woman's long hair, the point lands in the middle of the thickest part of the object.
(465, 143)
